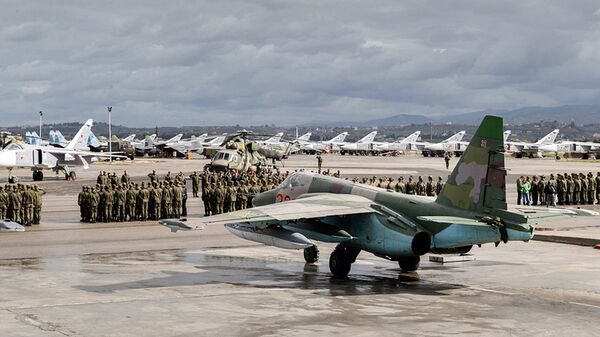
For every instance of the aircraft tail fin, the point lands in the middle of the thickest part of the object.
(175, 139)
(305, 137)
(478, 180)
(457, 137)
(129, 138)
(506, 135)
(275, 139)
(339, 138)
(368, 138)
(412, 137)
(81, 138)
(548, 139)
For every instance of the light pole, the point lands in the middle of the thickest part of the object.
(109, 132)
(41, 114)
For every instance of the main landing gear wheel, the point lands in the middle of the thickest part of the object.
(72, 175)
(311, 254)
(409, 263)
(341, 260)
(38, 176)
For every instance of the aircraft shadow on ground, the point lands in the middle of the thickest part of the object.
(256, 273)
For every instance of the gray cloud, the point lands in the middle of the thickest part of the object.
(229, 62)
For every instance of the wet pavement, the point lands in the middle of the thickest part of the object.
(518, 289)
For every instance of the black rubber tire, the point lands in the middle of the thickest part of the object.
(409, 263)
(311, 254)
(38, 176)
(339, 264)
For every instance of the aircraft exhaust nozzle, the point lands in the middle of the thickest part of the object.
(277, 237)
(421, 243)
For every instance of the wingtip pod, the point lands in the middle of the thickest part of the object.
(177, 225)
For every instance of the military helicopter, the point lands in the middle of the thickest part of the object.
(242, 154)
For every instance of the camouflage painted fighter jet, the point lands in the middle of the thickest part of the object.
(470, 210)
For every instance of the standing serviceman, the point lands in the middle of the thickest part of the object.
(439, 186)
(94, 199)
(195, 184)
(177, 199)
(15, 203)
(319, 162)
(561, 187)
(153, 177)
(3, 203)
(591, 188)
(109, 199)
(130, 203)
(82, 202)
(447, 159)
(125, 180)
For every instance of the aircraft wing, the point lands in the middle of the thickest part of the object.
(548, 212)
(306, 208)
(449, 220)
(81, 153)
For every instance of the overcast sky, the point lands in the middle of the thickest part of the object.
(237, 62)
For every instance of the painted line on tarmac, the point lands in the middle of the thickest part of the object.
(494, 291)
(586, 305)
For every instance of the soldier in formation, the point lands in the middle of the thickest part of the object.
(429, 188)
(21, 203)
(119, 200)
(564, 189)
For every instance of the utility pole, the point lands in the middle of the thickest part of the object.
(109, 132)
(430, 132)
(41, 114)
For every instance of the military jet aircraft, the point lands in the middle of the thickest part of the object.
(585, 150)
(470, 210)
(453, 144)
(531, 150)
(334, 143)
(48, 157)
(405, 144)
(363, 146)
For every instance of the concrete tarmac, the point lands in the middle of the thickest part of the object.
(138, 279)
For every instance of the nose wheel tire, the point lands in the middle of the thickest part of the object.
(311, 254)
(409, 263)
(38, 176)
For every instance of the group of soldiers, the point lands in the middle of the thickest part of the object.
(428, 188)
(21, 203)
(114, 199)
(578, 188)
(563, 188)
(231, 191)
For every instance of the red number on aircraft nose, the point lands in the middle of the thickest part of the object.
(287, 198)
(279, 197)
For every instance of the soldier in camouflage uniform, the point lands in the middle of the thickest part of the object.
(109, 199)
(569, 190)
(3, 203)
(82, 201)
(439, 186)
(591, 196)
(584, 189)
(429, 187)
(400, 186)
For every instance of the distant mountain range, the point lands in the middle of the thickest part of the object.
(579, 114)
